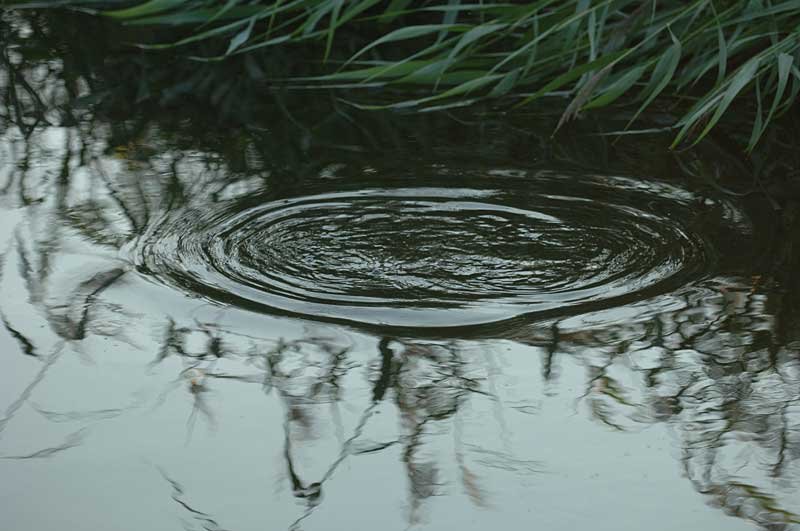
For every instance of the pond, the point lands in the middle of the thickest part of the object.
(446, 321)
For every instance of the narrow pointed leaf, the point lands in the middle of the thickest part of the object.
(409, 32)
(617, 89)
(743, 76)
(147, 8)
(241, 37)
(662, 75)
(574, 74)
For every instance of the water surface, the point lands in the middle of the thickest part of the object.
(461, 329)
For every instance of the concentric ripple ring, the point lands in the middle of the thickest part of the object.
(436, 256)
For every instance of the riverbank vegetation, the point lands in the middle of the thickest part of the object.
(700, 59)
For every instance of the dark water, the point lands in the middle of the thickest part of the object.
(460, 325)
(417, 249)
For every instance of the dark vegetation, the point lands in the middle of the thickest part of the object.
(698, 57)
(269, 112)
(207, 86)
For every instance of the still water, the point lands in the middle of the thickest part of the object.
(461, 329)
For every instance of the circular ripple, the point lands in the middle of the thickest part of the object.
(437, 256)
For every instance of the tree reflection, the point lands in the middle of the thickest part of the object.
(718, 364)
(717, 373)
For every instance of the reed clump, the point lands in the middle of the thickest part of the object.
(702, 56)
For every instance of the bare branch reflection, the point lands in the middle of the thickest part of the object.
(435, 414)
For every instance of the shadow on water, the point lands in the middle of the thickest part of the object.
(133, 371)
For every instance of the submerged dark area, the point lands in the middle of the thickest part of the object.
(262, 308)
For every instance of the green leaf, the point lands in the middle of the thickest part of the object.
(225, 29)
(743, 76)
(574, 74)
(506, 84)
(241, 37)
(332, 28)
(195, 16)
(723, 52)
(221, 12)
(662, 75)
(147, 8)
(265, 44)
(409, 32)
(464, 88)
(356, 8)
(617, 89)
(757, 126)
(394, 10)
(383, 70)
(784, 67)
(473, 35)
(468, 38)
